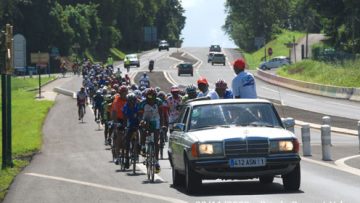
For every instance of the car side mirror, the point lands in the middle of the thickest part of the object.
(180, 127)
(288, 123)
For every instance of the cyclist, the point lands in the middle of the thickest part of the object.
(164, 121)
(131, 116)
(174, 102)
(190, 93)
(203, 86)
(106, 117)
(81, 98)
(144, 81)
(222, 90)
(118, 118)
(150, 112)
(98, 107)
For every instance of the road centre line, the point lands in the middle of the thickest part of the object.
(167, 76)
(347, 169)
(143, 194)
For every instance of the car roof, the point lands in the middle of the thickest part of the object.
(228, 101)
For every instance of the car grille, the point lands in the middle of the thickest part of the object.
(247, 147)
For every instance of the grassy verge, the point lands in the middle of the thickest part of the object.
(279, 49)
(27, 118)
(345, 74)
(117, 54)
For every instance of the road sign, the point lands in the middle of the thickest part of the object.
(270, 51)
(39, 58)
(19, 49)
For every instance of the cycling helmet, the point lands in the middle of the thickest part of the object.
(202, 80)
(190, 89)
(113, 92)
(138, 93)
(123, 89)
(157, 89)
(221, 84)
(174, 89)
(98, 91)
(142, 88)
(131, 98)
(104, 91)
(82, 89)
(239, 64)
(161, 95)
(134, 87)
(150, 93)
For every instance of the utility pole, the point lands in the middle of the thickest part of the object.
(353, 32)
(6, 99)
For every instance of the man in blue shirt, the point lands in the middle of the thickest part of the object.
(243, 85)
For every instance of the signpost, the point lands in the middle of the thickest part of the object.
(270, 51)
(41, 60)
(6, 99)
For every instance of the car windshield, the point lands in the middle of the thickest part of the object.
(185, 66)
(239, 114)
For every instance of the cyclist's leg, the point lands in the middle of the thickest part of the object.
(156, 143)
(117, 143)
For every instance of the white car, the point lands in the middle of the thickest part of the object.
(275, 63)
(133, 60)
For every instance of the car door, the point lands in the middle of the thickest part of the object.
(176, 145)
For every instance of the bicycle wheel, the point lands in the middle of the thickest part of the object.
(134, 154)
(162, 143)
(152, 163)
(122, 160)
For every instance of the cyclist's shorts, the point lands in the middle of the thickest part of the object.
(155, 125)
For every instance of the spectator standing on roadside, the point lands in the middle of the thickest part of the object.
(243, 85)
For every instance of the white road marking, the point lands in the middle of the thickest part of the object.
(272, 90)
(198, 60)
(341, 163)
(340, 104)
(157, 178)
(169, 78)
(294, 95)
(143, 194)
(344, 169)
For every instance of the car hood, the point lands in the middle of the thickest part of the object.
(220, 134)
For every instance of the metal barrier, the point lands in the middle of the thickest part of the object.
(325, 142)
(305, 137)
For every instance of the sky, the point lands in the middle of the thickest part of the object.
(204, 19)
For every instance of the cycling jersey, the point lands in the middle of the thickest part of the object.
(173, 108)
(117, 106)
(132, 115)
(151, 113)
(144, 81)
(81, 97)
(243, 85)
(210, 93)
(98, 100)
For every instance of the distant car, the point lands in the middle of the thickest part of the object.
(185, 68)
(218, 58)
(215, 48)
(233, 139)
(133, 60)
(210, 55)
(163, 45)
(275, 63)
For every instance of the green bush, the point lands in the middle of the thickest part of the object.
(117, 54)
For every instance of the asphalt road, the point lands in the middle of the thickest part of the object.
(75, 166)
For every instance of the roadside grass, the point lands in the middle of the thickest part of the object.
(117, 54)
(279, 49)
(345, 74)
(28, 116)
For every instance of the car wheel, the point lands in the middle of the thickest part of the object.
(178, 179)
(224, 63)
(138, 65)
(192, 74)
(178, 74)
(167, 49)
(212, 63)
(192, 179)
(263, 68)
(266, 179)
(159, 49)
(291, 181)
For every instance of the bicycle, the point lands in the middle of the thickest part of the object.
(134, 142)
(150, 159)
(163, 134)
(82, 112)
(121, 156)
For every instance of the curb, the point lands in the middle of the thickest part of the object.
(347, 93)
(65, 92)
(42, 85)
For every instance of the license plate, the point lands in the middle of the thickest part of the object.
(247, 162)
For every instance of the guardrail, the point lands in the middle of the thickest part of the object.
(348, 93)
(65, 92)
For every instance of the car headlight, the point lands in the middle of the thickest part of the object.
(211, 149)
(284, 146)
